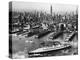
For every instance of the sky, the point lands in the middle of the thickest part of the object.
(44, 7)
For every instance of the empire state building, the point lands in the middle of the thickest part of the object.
(51, 10)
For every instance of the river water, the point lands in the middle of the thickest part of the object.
(29, 44)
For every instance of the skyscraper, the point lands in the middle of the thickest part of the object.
(51, 10)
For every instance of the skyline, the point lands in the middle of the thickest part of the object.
(44, 7)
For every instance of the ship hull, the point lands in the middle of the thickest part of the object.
(53, 52)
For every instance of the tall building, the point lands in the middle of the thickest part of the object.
(51, 10)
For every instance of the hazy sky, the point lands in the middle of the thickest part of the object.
(30, 6)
